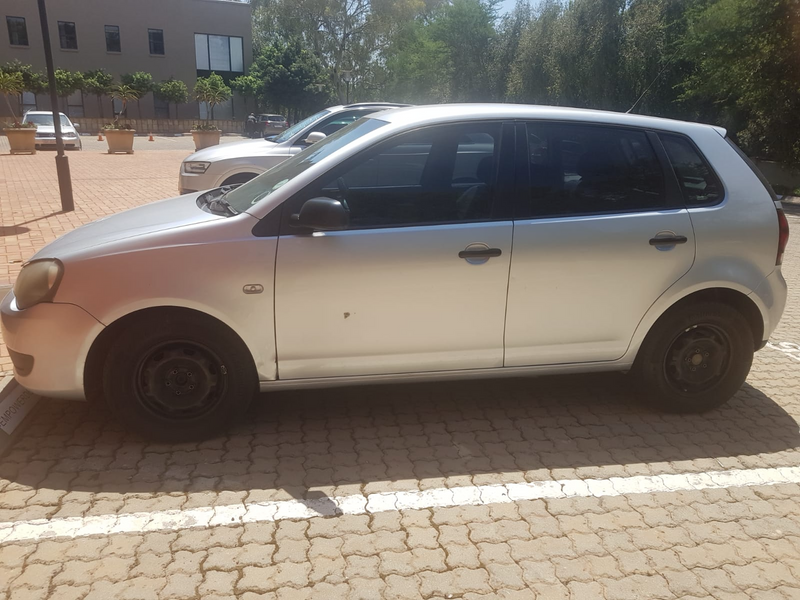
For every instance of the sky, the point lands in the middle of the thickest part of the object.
(508, 5)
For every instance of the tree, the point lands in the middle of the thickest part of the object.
(247, 86)
(211, 90)
(32, 81)
(289, 77)
(142, 83)
(172, 91)
(67, 83)
(11, 84)
(99, 83)
(123, 93)
(746, 73)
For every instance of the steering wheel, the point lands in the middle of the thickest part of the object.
(343, 190)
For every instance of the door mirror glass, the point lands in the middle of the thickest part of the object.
(76, 125)
(314, 137)
(322, 214)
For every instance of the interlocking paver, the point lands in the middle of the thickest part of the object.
(74, 461)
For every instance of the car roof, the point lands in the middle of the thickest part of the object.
(442, 113)
(43, 112)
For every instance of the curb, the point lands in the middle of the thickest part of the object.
(17, 407)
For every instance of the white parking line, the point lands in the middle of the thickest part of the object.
(790, 349)
(258, 512)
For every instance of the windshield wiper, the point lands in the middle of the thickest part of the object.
(222, 205)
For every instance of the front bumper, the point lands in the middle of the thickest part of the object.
(194, 182)
(51, 141)
(49, 344)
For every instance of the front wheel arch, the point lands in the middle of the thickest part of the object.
(95, 360)
(239, 178)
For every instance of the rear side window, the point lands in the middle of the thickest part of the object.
(588, 169)
(699, 184)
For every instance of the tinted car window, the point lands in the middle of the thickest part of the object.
(698, 182)
(443, 174)
(586, 169)
(336, 122)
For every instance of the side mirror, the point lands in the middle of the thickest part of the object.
(76, 125)
(314, 137)
(322, 214)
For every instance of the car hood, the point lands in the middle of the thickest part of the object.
(158, 216)
(246, 149)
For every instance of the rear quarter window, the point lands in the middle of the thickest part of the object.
(698, 182)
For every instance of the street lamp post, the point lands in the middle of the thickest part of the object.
(62, 162)
(347, 76)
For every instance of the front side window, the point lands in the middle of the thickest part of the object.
(436, 175)
(256, 190)
(156, 39)
(698, 182)
(67, 35)
(113, 43)
(297, 127)
(587, 169)
(17, 31)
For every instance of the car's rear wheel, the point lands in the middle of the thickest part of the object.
(695, 358)
(177, 376)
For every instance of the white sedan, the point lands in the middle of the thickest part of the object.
(46, 131)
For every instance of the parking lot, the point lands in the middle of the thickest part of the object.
(556, 487)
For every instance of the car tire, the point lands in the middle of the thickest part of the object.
(695, 358)
(177, 376)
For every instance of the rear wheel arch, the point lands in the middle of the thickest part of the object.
(730, 297)
(95, 360)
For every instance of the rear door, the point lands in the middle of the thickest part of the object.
(603, 233)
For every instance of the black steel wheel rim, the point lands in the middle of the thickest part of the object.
(180, 380)
(698, 359)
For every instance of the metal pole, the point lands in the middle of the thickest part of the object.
(62, 162)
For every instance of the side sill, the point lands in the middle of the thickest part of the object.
(493, 373)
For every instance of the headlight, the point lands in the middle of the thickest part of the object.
(195, 167)
(38, 282)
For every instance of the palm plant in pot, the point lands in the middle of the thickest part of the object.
(211, 90)
(21, 136)
(119, 136)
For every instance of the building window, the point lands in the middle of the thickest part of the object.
(113, 43)
(220, 53)
(17, 31)
(75, 105)
(156, 37)
(160, 108)
(68, 35)
(28, 102)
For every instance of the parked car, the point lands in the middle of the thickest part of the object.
(437, 242)
(239, 162)
(267, 125)
(46, 131)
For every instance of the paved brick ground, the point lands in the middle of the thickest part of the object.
(733, 542)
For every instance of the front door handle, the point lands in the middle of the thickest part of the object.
(480, 253)
(669, 240)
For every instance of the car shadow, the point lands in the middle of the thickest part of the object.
(306, 441)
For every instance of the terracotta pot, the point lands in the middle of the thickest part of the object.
(204, 139)
(21, 140)
(120, 140)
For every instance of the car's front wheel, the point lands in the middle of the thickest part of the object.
(695, 358)
(177, 376)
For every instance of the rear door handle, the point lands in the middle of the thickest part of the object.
(481, 253)
(670, 240)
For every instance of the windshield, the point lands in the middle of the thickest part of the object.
(289, 133)
(262, 186)
(45, 120)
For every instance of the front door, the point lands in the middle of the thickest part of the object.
(603, 235)
(418, 281)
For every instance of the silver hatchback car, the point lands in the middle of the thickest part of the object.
(421, 243)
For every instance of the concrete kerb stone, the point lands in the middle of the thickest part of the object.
(17, 407)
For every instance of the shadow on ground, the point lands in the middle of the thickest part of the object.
(303, 440)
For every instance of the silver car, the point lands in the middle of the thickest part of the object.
(239, 162)
(435, 242)
(46, 132)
